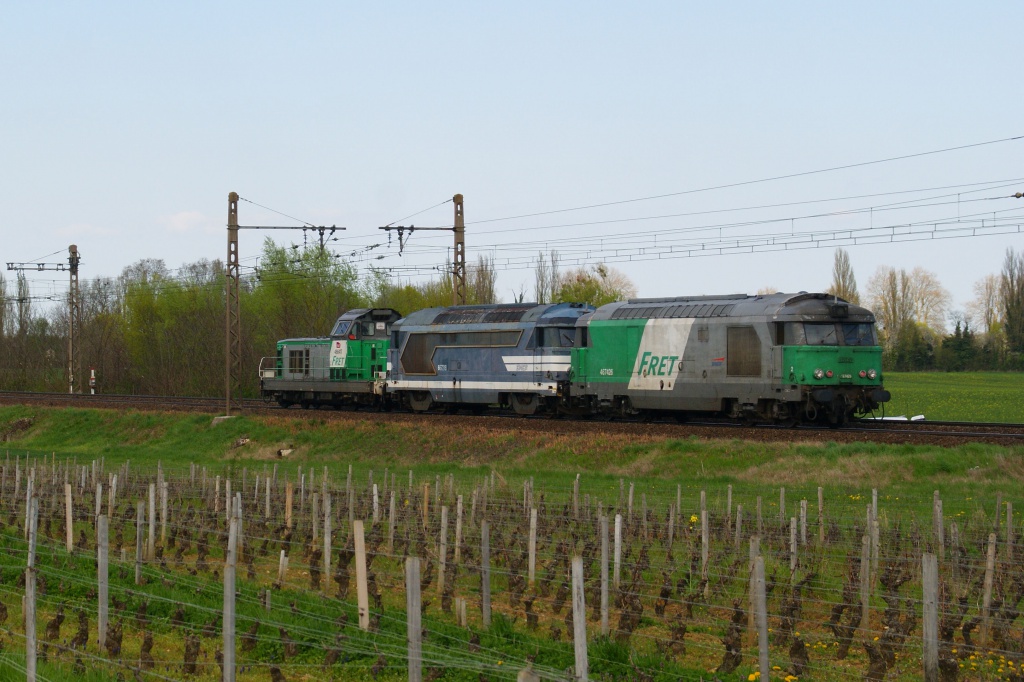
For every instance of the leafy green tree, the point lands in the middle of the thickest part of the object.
(596, 285)
(1011, 295)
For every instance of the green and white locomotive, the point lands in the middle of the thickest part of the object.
(336, 370)
(776, 358)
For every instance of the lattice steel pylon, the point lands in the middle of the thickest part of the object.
(74, 308)
(74, 320)
(459, 260)
(233, 336)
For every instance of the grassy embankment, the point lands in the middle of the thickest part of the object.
(435, 447)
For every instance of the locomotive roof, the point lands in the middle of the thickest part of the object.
(800, 306)
(375, 313)
(547, 313)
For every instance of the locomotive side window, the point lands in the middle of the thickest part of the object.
(298, 361)
(417, 356)
(743, 352)
(367, 328)
(702, 334)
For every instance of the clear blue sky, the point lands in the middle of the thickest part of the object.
(125, 125)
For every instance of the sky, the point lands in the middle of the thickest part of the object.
(125, 125)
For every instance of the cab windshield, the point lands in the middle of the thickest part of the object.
(829, 334)
(341, 328)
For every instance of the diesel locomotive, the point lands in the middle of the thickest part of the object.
(335, 370)
(774, 358)
(778, 358)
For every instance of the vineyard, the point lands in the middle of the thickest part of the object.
(279, 572)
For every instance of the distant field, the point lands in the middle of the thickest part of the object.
(957, 396)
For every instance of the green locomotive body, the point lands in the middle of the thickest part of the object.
(777, 358)
(336, 370)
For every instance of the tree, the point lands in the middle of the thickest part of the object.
(958, 351)
(24, 306)
(891, 298)
(541, 279)
(1011, 299)
(596, 285)
(482, 280)
(931, 300)
(985, 308)
(844, 284)
(546, 277)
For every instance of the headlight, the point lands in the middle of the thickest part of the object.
(872, 374)
(818, 374)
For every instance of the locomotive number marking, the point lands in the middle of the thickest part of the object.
(442, 368)
(607, 372)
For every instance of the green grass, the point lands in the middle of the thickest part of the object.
(957, 396)
(434, 448)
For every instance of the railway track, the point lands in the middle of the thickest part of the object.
(898, 432)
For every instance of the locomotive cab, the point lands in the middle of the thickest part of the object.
(830, 353)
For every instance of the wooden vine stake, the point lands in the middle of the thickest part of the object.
(69, 518)
(362, 595)
(139, 514)
(532, 561)
(761, 611)
(579, 619)
(485, 573)
(102, 576)
(930, 649)
(604, 576)
(986, 597)
(30, 591)
(413, 618)
(442, 553)
(230, 562)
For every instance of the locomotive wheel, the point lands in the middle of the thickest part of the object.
(420, 401)
(524, 404)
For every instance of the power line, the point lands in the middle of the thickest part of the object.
(750, 182)
(417, 213)
(267, 208)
